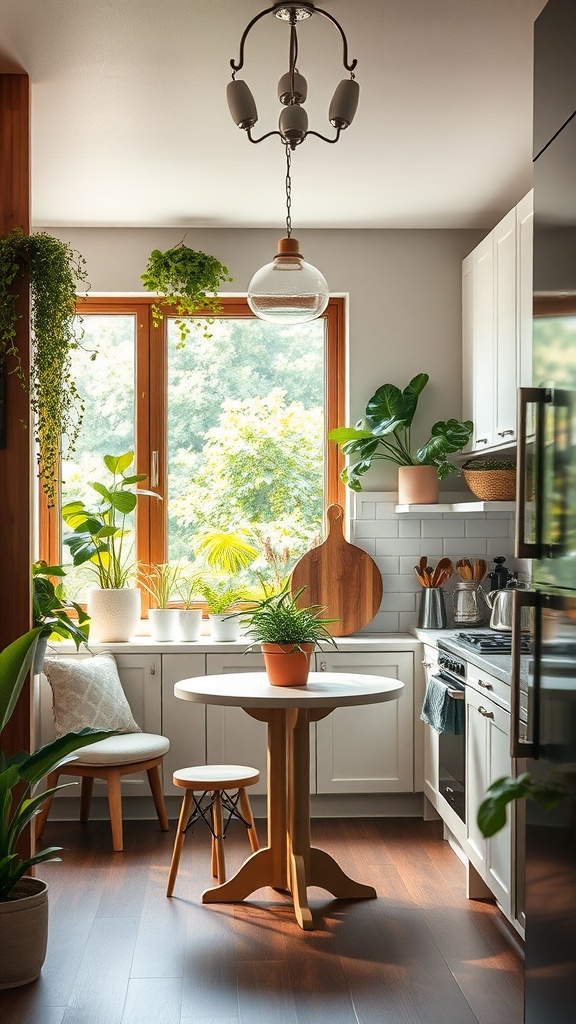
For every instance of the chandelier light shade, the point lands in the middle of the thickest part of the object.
(288, 290)
(292, 87)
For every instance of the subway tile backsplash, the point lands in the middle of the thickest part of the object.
(396, 542)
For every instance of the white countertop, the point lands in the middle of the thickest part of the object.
(360, 642)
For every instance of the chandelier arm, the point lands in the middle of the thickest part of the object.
(262, 137)
(237, 66)
(323, 137)
(349, 67)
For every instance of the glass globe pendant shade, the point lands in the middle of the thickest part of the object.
(288, 290)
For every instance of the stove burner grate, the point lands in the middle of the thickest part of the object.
(492, 643)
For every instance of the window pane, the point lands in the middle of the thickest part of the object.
(106, 385)
(246, 436)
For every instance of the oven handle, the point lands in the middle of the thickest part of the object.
(524, 748)
(455, 694)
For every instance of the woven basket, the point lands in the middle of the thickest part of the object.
(491, 484)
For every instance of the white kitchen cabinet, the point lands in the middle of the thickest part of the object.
(182, 721)
(232, 736)
(368, 749)
(496, 328)
(487, 759)
(141, 678)
(431, 750)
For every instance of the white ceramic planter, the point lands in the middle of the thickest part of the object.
(114, 614)
(163, 624)
(224, 628)
(189, 624)
(24, 934)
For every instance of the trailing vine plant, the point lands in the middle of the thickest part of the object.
(189, 280)
(53, 270)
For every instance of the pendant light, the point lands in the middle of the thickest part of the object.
(288, 290)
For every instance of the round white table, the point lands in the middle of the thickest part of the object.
(289, 862)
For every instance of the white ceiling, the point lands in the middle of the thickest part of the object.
(130, 125)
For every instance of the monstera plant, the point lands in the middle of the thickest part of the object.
(384, 433)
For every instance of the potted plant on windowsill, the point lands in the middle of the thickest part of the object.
(99, 541)
(384, 433)
(222, 596)
(288, 635)
(160, 583)
(50, 611)
(24, 900)
(187, 279)
(190, 615)
(52, 270)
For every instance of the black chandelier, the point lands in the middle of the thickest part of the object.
(293, 87)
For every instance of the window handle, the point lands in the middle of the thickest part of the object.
(154, 470)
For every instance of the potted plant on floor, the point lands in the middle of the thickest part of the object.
(189, 280)
(288, 635)
(52, 270)
(101, 540)
(384, 433)
(50, 611)
(161, 582)
(24, 900)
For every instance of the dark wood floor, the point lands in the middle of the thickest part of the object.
(120, 952)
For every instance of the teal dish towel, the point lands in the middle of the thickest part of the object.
(441, 711)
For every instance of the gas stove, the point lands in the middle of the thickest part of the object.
(491, 642)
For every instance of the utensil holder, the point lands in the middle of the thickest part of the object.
(432, 614)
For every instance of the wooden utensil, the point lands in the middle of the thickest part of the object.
(442, 572)
(340, 577)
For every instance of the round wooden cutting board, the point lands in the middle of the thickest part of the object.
(341, 577)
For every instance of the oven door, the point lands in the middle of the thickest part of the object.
(452, 761)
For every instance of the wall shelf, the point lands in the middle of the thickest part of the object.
(457, 506)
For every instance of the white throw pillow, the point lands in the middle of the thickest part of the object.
(87, 692)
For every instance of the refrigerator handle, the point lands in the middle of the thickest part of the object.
(529, 548)
(524, 748)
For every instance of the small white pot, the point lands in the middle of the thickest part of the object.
(163, 624)
(24, 934)
(189, 624)
(225, 627)
(114, 614)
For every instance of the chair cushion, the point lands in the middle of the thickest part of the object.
(88, 692)
(126, 749)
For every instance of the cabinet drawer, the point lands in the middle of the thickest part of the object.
(491, 687)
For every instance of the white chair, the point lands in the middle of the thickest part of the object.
(110, 759)
(217, 780)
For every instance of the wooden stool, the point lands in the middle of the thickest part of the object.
(216, 779)
(110, 759)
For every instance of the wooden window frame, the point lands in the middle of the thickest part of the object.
(151, 415)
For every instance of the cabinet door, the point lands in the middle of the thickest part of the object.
(232, 736)
(430, 664)
(368, 749)
(505, 328)
(183, 722)
(141, 679)
(487, 759)
(524, 277)
(483, 370)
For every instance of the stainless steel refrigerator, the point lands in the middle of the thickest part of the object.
(546, 532)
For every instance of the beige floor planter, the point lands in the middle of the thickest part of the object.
(114, 614)
(23, 934)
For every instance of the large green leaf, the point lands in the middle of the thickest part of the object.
(447, 437)
(45, 759)
(390, 409)
(15, 663)
(342, 434)
(118, 463)
(123, 501)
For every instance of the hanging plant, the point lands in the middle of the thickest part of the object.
(189, 280)
(53, 270)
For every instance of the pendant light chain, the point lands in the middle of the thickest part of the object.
(288, 192)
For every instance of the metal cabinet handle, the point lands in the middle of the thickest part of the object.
(154, 470)
(152, 668)
(323, 666)
(525, 548)
(505, 433)
(428, 664)
(524, 748)
(481, 440)
(487, 714)
(485, 686)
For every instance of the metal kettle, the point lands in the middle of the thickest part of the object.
(502, 602)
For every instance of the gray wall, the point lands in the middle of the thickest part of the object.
(403, 289)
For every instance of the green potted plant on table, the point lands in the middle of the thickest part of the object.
(52, 270)
(384, 433)
(161, 583)
(101, 540)
(50, 611)
(288, 635)
(187, 279)
(24, 900)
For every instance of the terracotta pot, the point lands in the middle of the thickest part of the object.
(418, 485)
(287, 665)
(23, 933)
(114, 614)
